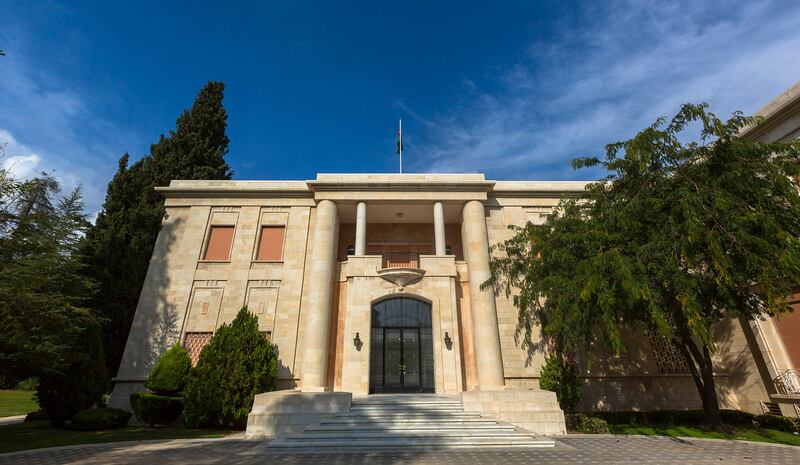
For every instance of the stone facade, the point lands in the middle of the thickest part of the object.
(316, 303)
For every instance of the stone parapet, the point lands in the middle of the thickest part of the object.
(534, 410)
(276, 414)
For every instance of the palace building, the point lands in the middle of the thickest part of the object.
(371, 283)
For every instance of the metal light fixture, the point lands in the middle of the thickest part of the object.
(447, 341)
(357, 342)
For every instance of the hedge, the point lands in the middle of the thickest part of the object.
(690, 417)
(99, 419)
(153, 409)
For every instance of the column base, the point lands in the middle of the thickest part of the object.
(534, 410)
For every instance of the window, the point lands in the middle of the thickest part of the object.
(220, 239)
(270, 246)
(194, 343)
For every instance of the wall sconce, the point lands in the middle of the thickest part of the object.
(447, 341)
(357, 342)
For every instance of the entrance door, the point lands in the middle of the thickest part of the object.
(401, 347)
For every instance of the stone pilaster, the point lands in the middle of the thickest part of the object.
(486, 335)
(315, 336)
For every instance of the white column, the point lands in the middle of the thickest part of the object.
(438, 228)
(361, 228)
(484, 311)
(315, 334)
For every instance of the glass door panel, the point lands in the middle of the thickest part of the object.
(393, 361)
(411, 359)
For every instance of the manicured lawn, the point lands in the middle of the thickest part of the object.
(40, 434)
(740, 433)
(15, 402)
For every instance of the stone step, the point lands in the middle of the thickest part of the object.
(408, 434)
(404, 422)
(408, 402)
(398, 412)
(378, 422)
(405, 443)
(489, 425)
(406, 408)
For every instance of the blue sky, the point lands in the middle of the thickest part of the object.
(512, 89)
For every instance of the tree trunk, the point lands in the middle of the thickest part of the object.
(701, 367)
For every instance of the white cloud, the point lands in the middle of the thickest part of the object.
(22, 167)
(56, 126)
(18, 159)
(601, 80)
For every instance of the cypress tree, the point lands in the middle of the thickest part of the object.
(118, 248)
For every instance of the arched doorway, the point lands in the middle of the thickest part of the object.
(401, 346)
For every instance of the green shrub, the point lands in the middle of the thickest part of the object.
(238, 364)
(77, 384)
(789, 425)
(561, 377)
(170, 374)
(99, 419)
(583, 423)
(154, 409)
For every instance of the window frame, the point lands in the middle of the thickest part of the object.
(258, 243)
(207, 242)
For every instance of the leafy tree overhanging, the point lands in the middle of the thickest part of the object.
(676, 238)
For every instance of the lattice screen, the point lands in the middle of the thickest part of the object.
(194, 344)
(668, 358)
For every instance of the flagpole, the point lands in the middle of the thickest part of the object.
(401, 146)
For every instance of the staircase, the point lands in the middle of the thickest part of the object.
(407, 421)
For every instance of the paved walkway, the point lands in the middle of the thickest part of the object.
(569, 450)
(16, 419)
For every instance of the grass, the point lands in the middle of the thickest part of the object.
(16, 402)
(739, 433)
(41, 434)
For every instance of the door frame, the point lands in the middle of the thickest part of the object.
(420, 386)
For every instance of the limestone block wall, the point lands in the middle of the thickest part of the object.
(183, 293)
(364, 287)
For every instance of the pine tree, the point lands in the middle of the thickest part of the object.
(119, 246)
(44, 293)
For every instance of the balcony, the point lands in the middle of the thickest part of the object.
(400, 260)
(400, 268)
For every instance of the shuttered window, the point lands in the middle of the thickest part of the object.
(220, 239)
(270, 246)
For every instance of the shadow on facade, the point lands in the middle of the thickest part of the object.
(156, 324)
(636, 381)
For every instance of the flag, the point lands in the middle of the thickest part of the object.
(400, 140)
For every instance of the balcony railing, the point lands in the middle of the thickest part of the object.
(400, 260)
(788, 382)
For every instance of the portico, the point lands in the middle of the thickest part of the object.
(398, 246)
